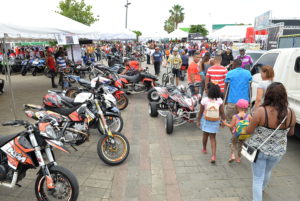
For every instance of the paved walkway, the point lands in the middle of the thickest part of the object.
(160, 167)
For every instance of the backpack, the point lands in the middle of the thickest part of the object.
(240, 128)
(212, 111)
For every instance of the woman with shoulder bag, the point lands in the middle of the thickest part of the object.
(274, 113)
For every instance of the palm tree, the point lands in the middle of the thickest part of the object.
(177, 14)
(169, 25)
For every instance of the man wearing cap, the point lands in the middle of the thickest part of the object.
(156, 60)
(175, 62)
(237, 86)
(246, 59)
(227, 57)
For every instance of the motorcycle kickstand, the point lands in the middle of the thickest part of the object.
(74, 148)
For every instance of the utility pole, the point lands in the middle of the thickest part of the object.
(126, 6)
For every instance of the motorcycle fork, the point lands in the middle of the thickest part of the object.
(39, 156)
(102, 120)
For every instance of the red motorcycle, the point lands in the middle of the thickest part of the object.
(28, 150)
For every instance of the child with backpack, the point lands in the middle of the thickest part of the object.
(239, 124)
(209, 117)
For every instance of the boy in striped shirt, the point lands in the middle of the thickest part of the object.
(216, 74)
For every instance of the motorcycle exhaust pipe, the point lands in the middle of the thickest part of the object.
(13, 182)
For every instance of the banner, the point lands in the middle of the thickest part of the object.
(273, 36)
(246, 46)
(66, 39)
(263, 21)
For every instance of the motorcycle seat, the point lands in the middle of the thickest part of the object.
(134, 78)
(63, 111)
(5, 139)
(83, 68)
(148, 75)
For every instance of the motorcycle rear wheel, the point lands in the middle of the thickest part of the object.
(63, 179)
(111, 155)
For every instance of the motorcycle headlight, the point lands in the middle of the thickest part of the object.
(51, 132)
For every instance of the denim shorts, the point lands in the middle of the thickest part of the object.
(176, 72)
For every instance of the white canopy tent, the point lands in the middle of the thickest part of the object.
(178, 34)
(37, 25)
(229, 33)
(117, 34)
(158, 35)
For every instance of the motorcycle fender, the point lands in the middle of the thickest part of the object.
(111, 114)
(124, 80)
(57, 144)
(118, 93)
(147, 80)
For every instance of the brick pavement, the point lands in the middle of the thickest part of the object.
(160, 167)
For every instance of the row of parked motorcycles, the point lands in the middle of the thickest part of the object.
(24, 66)
(63, 121)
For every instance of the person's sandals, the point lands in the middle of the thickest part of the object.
(232, 158)
(238, 160)
(213, 159)
(204, 151)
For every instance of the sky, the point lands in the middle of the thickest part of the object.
(149, 15)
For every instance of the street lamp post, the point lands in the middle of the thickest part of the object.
(126, 6)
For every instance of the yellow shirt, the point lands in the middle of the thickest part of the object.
(175, 61)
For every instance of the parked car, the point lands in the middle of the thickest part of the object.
(255, 54)
(286, 65)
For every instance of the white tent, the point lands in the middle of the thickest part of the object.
(178, 34)
(150, 35)
(41, 25)
(229, 33)
(117, 34)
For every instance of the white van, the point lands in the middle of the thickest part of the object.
(286, 64)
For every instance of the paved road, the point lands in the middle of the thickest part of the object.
(160, 167)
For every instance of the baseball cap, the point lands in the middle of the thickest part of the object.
(175, 49)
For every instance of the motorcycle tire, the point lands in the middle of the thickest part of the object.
(23, 72)
(103, 150)
(164, 79)
(67, 176)
(72, 92)
(153, 109)
(115, 123)
(169, 123)
(124, 104)
(3, 70)
(153, 95)
(34, 72)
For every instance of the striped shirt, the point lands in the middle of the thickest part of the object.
(217, 74)
(61, 63)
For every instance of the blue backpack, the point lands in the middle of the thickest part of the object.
(240, 128)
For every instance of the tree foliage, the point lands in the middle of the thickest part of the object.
(169, 25)
(78, 11)
(138, 34)
(177, 14)
(176, 17)
(199, 28)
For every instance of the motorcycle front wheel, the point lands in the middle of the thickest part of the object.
(114, 123)
(122, 101)
(113, 151)
(64, 181)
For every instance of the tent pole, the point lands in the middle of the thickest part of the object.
(8, 67)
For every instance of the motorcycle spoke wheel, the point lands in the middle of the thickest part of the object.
(114, 123)
(122, 102)
(113, 151)
(65, 186)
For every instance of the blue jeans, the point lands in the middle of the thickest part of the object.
(261, 171)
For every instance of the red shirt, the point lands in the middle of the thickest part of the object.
(217, 74)
(51, 63)
(194, 69)
(133, 65)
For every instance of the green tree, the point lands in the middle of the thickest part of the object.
(199, 28)
(138, 34)
(77, 11)
(177, 14)
(169, 25)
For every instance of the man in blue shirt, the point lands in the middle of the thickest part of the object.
(237, 85)
(157, 60)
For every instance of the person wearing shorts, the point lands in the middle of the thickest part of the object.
(176, 62)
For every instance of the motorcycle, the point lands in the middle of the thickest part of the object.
(112, 148)
(38, 65)
(120, 97)
(26, 65)
(176, 106)
(138, 83)
(27, 150)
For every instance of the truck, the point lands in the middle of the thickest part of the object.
(286, 65)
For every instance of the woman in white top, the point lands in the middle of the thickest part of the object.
(267, 75)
